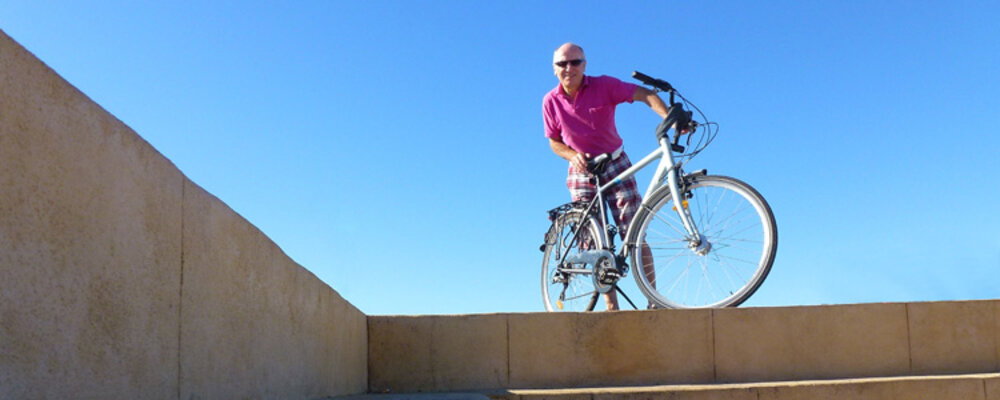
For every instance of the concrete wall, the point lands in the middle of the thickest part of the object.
(120, 278)
(448, 353)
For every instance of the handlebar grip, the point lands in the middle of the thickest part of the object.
(657, 83)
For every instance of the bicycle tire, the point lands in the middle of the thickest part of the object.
(740, 228)
(569, 292)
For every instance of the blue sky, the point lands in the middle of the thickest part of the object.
(395, 148)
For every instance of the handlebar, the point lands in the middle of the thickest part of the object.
(677, 118)
(657, 83)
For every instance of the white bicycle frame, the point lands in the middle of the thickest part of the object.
(667, 169)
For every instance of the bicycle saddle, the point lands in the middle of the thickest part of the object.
(598, 164)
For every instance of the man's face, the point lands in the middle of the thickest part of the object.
(570, 76)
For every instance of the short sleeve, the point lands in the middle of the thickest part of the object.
(622, 92)
(553, 129)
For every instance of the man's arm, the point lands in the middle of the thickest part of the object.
(655, 102)
(579, 160)
(651, 99)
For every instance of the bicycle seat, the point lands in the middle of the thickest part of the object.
(599, 164)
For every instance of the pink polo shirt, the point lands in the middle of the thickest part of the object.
(587, 124)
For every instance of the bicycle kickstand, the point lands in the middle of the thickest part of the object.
(620, 291)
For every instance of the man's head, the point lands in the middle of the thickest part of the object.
(569, 63)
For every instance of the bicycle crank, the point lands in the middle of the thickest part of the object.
(606, 276)
(601, 263)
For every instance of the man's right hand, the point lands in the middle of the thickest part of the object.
(580, 161)
(576, 159)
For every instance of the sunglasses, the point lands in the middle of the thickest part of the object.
(575, 63)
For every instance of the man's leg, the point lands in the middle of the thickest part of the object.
(611, 300)
(647, 264)
(581, 189)
(623, 203)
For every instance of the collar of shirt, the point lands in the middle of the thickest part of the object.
(584, 84)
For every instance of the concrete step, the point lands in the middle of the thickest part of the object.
(942, 387)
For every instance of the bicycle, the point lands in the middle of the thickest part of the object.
(697, 241)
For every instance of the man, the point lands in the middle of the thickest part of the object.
(579, 117)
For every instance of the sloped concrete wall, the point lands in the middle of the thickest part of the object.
(90, 245)
(254, 323)
(120, 278)
(505, 351)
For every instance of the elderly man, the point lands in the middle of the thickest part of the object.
(579, 117)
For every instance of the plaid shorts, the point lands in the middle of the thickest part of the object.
(623, 198)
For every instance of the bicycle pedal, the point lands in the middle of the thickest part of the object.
(609, 276)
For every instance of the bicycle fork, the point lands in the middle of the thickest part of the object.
(671, 171)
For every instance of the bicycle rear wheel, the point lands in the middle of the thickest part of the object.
(740, 240)
(564, 289)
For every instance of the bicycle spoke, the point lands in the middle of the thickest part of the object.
(588, 294)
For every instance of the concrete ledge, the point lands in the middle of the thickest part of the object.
(619, 348)
(992, 388)
(416, 396)
(954, 337)
(956, 387)
(437, 353)
(453, 353)
(552, 350)
(788, 343)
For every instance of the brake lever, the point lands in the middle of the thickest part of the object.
(675, 146)
(689, 125)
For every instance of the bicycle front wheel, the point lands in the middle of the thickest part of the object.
(739, 239)
(568, 289)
